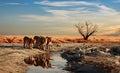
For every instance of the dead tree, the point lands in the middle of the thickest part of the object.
(86, 29)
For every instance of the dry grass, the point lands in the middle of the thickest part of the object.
(64, 39)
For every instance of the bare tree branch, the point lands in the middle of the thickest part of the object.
(87, 31)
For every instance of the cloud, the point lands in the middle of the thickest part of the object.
(40, 18)
(64, 3)
(100, 14)
(103, 7)
(73, 14)
(95, 6)
(12, 3)
(112, 32)
(103, 15)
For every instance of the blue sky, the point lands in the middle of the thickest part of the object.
(58, 17)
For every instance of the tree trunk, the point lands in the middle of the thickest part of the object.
(86, 38)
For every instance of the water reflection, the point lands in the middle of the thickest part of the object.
(58, 63)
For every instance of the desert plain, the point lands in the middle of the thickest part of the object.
(12, 53)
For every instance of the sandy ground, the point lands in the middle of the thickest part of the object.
(12, 58)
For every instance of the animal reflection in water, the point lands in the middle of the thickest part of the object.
(40, 42)
(42, 59)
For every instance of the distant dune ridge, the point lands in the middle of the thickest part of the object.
(62, 39)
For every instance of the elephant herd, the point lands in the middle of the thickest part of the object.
(40, 42)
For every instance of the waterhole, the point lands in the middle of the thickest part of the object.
(58, 64)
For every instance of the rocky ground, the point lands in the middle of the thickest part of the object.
(93, 59)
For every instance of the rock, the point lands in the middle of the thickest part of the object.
(92, 52)
(115, 50)
(74, 55)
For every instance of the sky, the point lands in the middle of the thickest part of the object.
(58, 17)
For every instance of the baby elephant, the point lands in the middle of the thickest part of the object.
(28, 42)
